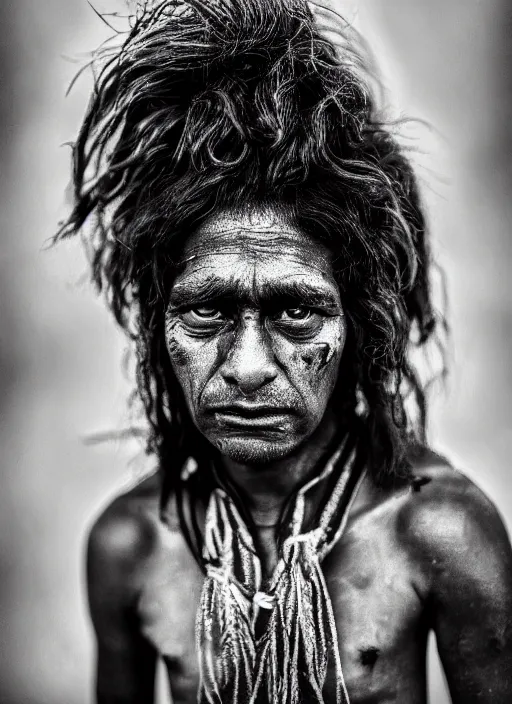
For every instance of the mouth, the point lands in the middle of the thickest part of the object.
(251, 416)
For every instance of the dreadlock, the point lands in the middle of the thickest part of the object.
(246, 102)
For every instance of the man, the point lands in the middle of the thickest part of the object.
(259, 235)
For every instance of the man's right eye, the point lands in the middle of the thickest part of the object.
(202, 314)
(206, 312)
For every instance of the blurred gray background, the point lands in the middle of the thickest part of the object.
(446, 61)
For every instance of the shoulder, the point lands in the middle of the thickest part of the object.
(123, 539)
(453, 531)
(133, 552)
(445, 509)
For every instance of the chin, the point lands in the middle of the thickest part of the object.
(255, 450)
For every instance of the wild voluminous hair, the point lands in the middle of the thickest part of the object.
(233, 103)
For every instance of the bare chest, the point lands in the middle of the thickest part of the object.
(379, 618)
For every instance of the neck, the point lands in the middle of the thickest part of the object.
(266, 488)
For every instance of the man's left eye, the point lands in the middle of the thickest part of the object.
(300, 321)
(298, 314)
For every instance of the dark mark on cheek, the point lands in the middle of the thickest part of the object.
(177, 353)
(324, 354)
(368, 656)
(308, 358)
(319, 356)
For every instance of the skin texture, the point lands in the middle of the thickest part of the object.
(408, 562)
(432, 554)
(255, 320)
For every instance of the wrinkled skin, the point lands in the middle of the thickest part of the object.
(255, 320)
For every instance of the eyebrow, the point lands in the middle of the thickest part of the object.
(236, 292)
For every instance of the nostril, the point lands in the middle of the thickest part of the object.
(249, 379)
(249, 386)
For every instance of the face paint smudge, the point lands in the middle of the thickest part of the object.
(321, 355)
(176, 352)
(325, 354)
(308, 358)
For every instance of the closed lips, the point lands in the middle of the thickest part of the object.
(246, 411)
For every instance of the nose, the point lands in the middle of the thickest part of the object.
(250, 363)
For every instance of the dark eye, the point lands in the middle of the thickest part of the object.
(206, 313)
(299, 322)
(203, 317)
(299, 314)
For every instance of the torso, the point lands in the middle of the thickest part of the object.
(374, 578)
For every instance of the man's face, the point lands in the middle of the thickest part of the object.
(255, 332)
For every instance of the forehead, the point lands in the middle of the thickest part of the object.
(253, 252)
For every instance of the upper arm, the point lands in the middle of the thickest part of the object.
(467, 556)
(118, 544)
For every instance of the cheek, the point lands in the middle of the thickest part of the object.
(193, 359)
(178, 352)
(312, 367)
(317, 357)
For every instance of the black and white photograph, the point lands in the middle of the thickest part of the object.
(256, 345)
